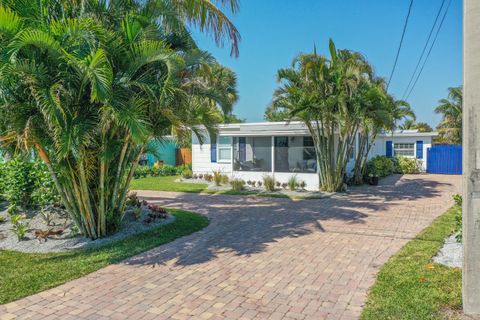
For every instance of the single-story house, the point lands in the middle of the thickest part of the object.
(251, 150)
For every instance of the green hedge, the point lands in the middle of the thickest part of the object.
(161, 171)
(26, 184)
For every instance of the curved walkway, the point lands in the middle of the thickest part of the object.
(260, 258)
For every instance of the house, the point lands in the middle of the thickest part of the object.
(250, 150)
(163, 152)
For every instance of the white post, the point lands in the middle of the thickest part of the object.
(273, 155)
(471, 157)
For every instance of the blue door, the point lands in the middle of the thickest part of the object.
(444, 159)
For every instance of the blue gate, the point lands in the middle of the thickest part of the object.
(444, 159)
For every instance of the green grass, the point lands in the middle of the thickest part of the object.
(168, 183)
(23, 274)
(409, 286)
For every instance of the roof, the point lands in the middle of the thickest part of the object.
(409, 133)
(264, 128)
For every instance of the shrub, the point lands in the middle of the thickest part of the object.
(268, 183)
(458, 199)
(187, 174)
(259, 184)
(379, 166)
(44, 193)
(208, 177)
(303, 184)
(217, 177)
(406, 165)
(292, 182)
(225, 179)
(458, 217)
(168, 170)
(284, 185)
(141, 172)
(20, 228)
(237, 184)
(19, 182)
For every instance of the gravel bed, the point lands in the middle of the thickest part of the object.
(249, 190)
(451, 253)
(68, 241)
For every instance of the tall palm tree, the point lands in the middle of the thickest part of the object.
(88, 83)
(327, 94)
(450, 127)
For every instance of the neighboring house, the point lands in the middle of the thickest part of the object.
(164, 152)
(251, 150)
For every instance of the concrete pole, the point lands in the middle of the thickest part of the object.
(471, 157)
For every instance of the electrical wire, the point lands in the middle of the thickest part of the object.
(401, 42)
(424, 49)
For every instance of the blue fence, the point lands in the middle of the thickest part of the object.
(444, 159)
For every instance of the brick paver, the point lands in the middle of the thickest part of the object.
(260, 258)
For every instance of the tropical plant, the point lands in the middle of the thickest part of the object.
(406, 165)
(337, 98)
(87, 84)
(380, 166)
(268, 183)
(450, 127)
(217, 177)
(187, 174)
(293, 182)
(237, 184)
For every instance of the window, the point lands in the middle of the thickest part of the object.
(295, 154)
(404, 149)
(224, 149)
(252, 154)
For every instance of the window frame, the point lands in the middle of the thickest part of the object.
(224, 146)
(413, 149)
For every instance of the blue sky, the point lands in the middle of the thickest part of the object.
(274, 32)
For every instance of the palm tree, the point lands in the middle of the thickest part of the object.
(450, 127)
(410, 124)
(87, 84)
(328, 95)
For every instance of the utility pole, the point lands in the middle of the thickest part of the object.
(471, 157)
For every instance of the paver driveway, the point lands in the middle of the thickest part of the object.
(260, 258)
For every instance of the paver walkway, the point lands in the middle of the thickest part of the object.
(260, 258)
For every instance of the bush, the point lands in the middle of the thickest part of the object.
(458, 217)
(142, 172)
(237, 184)
(379, 166)
(458, 199)
(268, 183)
(292, 183)
(225, 179)
(26, 184)
(187, 174)
(217, 177)
(168, 170)
(405, 165)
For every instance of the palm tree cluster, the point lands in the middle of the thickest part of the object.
(450, 127)
(86, 84)
(337, 97)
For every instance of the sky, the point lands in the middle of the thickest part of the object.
(275, 31)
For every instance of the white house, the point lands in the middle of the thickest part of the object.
(251, 150)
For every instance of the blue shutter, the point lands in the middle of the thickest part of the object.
(242, 149)
(389, 149)
(213, 152)
(419, 149)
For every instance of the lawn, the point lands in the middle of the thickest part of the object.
(410, 286)
(167, 183)
(23, 274)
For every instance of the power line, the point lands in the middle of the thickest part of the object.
(401, 42)
(430, 50)
(424, 49)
